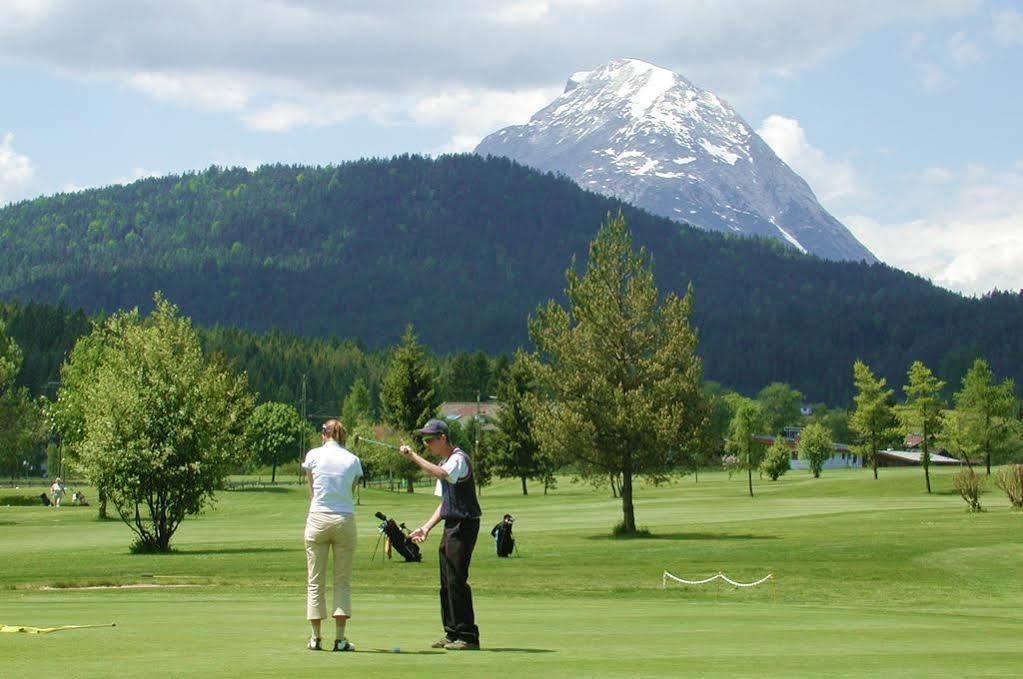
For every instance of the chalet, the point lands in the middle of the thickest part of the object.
(467, 412)
(842, 458)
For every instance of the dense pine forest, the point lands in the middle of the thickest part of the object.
(316, 271)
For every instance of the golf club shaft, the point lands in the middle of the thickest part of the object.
(359, 439)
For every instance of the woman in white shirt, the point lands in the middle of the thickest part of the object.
(333, 473)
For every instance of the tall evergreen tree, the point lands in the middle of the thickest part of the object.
(985, 409)
(408, 394)
(357, 408)
(873, 419)
(923, 411)
(516, 450)
(619, 370)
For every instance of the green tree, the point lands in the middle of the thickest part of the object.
(815, 447)
(160, 421)
(781, 406)
(22, 428)
(273, 433)
(873, 419)
(619, 370)
(777, 459)
(10, 358)
(516, 451)
(358, 406)
(408, 395)
(747, 422)
(984, 411)
(67, 413)
(923, 411)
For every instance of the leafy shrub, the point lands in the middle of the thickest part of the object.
(776, 461)
(1010, 480)
(969, 485)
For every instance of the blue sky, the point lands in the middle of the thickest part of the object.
(902, 116)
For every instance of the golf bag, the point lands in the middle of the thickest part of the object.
(400, 542)
(45, 498)
(503, 539)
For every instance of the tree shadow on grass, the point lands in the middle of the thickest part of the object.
(234, 550)
(485, 649)
(684, 536)
(258, 489)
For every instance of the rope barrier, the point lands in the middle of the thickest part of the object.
(719, 576)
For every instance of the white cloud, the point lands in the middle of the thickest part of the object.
(962, 50)
(828, 178)
(203, 91)
(1008, 27)
(970, 239)
(476, 114)
(137, 174)
(15, 171)
(280, 64)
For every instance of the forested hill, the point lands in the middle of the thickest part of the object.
(465, 248)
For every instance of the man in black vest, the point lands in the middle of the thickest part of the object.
(461, 513)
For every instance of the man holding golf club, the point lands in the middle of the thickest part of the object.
(333, 472)
(461, 513)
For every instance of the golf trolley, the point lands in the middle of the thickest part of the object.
(397, 535)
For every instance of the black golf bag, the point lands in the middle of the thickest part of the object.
(503, 539)
(45, 498)
(400, 542)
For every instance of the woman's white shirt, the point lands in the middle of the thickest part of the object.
(334, 470)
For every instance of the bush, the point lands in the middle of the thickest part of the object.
(1010, 480)
(776, 462)
(969, 485)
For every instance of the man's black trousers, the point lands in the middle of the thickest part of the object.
(455, 594)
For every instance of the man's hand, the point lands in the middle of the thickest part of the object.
(419, 535)
(405, 450)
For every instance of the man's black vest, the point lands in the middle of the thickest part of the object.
(458, 500)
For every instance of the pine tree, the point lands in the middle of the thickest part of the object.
(408, 394)
(923, 411)
(873, 419)
(984, 410)
(619, 370)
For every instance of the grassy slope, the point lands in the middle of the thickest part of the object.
(870, 577)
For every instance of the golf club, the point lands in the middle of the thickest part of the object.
(359, 439)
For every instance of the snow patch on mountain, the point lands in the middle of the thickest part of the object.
(644, 134)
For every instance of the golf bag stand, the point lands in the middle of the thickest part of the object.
(400, 542)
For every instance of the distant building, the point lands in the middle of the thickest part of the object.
(466, 412)
(910, 458)
(842, 458)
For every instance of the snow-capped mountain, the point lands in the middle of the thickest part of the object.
(650, 137)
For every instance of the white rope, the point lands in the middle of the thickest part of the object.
(719, 576)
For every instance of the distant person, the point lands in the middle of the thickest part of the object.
(56, 492)
(502, 534)
(461, 513)
(333, 474)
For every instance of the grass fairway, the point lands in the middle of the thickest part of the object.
(871, 577)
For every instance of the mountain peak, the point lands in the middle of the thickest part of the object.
(647, 135)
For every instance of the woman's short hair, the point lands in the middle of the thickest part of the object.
(333, 429)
